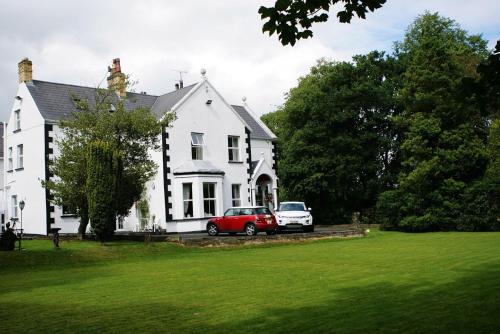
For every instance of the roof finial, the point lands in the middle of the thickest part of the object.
(203, 73)
(244, 99)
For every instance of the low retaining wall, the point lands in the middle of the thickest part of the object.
(221, 241)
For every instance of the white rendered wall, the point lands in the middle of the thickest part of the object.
(26, 183)
(261, 147)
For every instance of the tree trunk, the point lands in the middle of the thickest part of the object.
(84, 221)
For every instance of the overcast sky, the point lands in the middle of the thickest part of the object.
(74, 42)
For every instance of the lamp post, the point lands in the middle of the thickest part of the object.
(21, 206)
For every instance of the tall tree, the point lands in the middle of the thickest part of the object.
(443, 151)
(481, 201)
(291, 20)
(132, 133)
(335, 136)
(101, 188)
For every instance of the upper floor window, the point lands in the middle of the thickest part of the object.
(187, 198)
(197, 146)
(20, 156)
(17, 120)
(235, 192)
(209, 200)
(233, 148)
(14, 206)
(11, 164)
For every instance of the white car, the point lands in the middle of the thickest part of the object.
(294, 216)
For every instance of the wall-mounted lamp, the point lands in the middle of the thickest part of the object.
(209, 102)
(18, 98)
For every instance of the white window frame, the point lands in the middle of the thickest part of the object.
(211, 201)
(11, 159)
(233, 149)
(187, 201)
(119, 223)
(20, 156)
(17, 119)
(14, 206)
(197, 143)
(236, 200)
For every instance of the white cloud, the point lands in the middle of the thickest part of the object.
(73, 42)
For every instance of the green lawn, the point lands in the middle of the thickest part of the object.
(387, 283)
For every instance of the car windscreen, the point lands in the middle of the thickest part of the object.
(262, 211)
(292, 207)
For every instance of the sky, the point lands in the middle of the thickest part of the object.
(74, 42)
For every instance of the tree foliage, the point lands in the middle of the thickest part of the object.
(130, 133)
(335, 136)
(291, 20)
(414, 136)
(101, 188)
(443, 151)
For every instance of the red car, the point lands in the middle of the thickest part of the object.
(249, 220)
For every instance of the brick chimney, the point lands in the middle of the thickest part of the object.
(25, 68)
(116, 79)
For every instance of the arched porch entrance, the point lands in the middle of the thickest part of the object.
(265, 192)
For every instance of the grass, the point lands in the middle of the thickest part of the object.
(386, 283)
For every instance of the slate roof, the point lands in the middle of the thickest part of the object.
(165, 102)
(257, 131)
(198, 166)
(56, 101)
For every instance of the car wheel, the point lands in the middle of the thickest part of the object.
(212, 230)
(250, 229)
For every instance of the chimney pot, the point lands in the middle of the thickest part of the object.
(176, 86)
(116, 79)
(25, 70)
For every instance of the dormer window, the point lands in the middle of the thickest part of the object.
(197, 146)
(17, 120)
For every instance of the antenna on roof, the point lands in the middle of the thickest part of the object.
(180, 84)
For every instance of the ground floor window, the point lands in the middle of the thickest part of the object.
(209, 200)
(235, 193)
(187, 195)
(14, 206)
(67, 211)
(119, 224)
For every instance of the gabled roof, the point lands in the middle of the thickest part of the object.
(257, 131)
(56, 101)
(165, 102)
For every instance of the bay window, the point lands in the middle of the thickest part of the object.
(209, 199)
(187, 198)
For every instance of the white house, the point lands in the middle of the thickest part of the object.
(215, 155)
